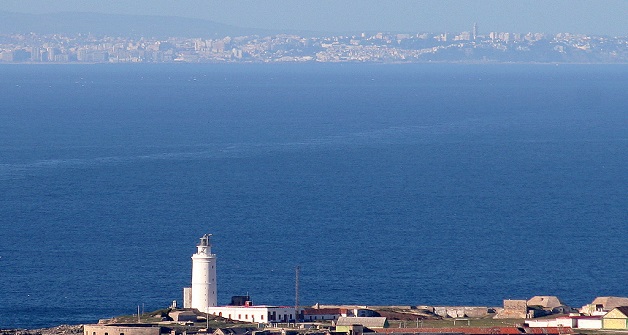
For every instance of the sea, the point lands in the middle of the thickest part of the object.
(386, 184)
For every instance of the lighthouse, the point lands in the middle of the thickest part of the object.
(203, 293)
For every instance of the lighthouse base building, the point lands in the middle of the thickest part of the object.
(257, 314)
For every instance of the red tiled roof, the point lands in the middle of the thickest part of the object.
(623, 310)
(481, 330)
(549, 330)
(323, 311)
(581, 317)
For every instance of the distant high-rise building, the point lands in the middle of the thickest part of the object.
(51, 54)
(464, 36)
(475, 31)
(36, 54)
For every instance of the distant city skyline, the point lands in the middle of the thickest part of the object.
(577, 16)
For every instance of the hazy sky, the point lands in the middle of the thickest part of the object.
(578, 16)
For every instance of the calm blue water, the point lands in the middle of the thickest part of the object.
(397, 184)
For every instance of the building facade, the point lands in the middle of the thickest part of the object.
(258, 314)
(617, 319)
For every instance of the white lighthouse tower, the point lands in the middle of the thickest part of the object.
(204, 276)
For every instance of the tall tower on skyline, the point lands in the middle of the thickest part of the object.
(204, 276)
(475, 31)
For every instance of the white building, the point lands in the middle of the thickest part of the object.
(575, 321)
(541, 323)
(590, 322)
(257, 314)
(202, 294)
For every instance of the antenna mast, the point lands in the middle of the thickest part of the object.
(296, 294)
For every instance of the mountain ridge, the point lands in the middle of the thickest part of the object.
(118, 24)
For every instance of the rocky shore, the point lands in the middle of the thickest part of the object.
(58, 330)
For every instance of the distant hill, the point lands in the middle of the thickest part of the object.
(118, 25)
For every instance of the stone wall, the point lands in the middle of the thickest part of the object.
(120, 330)
(461, 312)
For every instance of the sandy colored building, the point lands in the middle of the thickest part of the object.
(122, 329)
(548, 303)
(602, 305)
(617, 319)
(513, 309)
